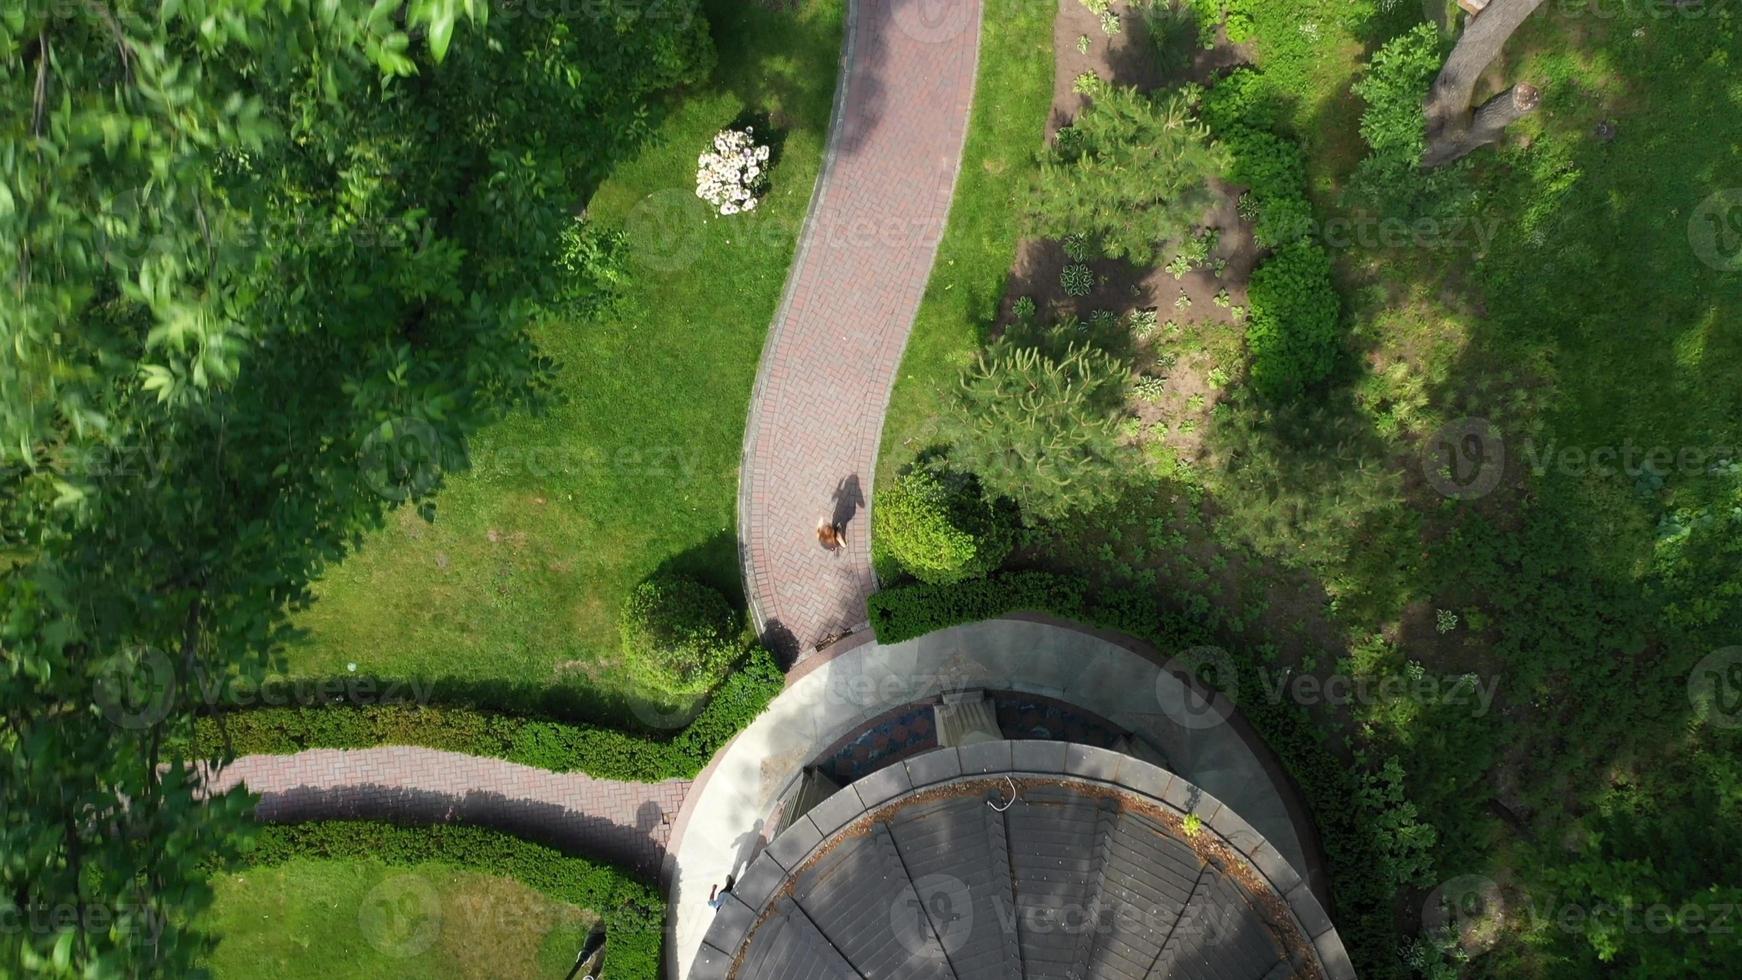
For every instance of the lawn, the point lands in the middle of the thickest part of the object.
(532, 549)
(327, 918)
(1005, 135)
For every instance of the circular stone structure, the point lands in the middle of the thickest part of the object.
(1021, 859)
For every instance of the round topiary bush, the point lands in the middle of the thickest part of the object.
(679, 636)
(939, 527)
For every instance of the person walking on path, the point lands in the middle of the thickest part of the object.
(717, 895)
(830, 535)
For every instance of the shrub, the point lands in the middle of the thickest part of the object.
(559, 745)
(1274, 171)
(1134, 171)
(1394, 126)
(939, 527)
(679, 636)
(1291, 335)
(633, 912)
(1241, 100)
(1039, 431)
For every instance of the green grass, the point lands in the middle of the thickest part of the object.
(1011, 101)
(327, 918)
(521, 575)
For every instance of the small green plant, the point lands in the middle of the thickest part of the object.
(1083, 43)
(1184, 302)
(1217, 378)
(1445, 621)
(1150, 388)
(1103, 9)
(1223, 300)
(1143, 323)
(1087, 83)
(1195, 251)
(1078, 249)
(1023, 308)
(1077, 280)
(1192, 825)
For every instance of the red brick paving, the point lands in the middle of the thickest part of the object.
(624, 822)
(836, 343)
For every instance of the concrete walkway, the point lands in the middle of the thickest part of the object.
(726, 818)
(895, 144)
(627, 823)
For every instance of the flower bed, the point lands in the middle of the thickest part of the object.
(734, 176)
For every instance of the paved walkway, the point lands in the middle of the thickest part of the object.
(727, 818)
(627, 823)
(816, 418)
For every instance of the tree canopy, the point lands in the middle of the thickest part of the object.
(272, 263)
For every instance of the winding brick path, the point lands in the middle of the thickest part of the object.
(878, 212)
(628, 823)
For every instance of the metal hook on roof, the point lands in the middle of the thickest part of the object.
(1006, 806)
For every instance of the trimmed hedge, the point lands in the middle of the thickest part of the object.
(939, 527)
(633, 912)
(559, 746)
(1361, 897)
(677, 635)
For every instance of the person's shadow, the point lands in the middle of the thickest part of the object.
(745, 848)
(849, 499)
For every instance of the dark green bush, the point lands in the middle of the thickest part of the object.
(1394, 126)
(1292, 333)
(939, 527)
(1240, 100)
(1274, 172)
(679, 636)
(556, 745)
(1362, 891)
(633, 912)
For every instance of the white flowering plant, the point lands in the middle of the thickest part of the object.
(735, 175)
